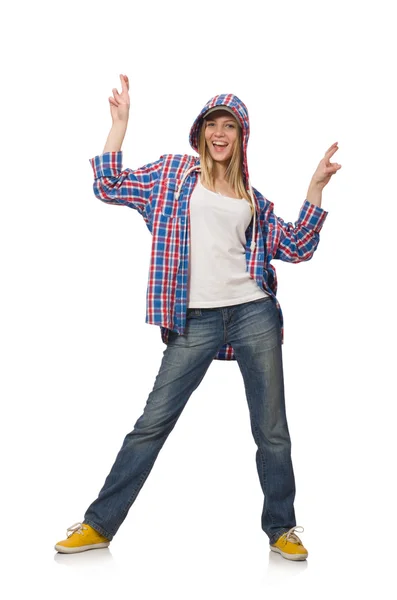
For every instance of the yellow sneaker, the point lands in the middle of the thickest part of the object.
(290, 546)
(81, 537)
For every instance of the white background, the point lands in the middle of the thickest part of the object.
(78, 359)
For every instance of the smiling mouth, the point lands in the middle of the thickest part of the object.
(219, 146)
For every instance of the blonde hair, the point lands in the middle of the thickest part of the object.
(234, 172)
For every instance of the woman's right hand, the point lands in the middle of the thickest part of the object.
(120, 103)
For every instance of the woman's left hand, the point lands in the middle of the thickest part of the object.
(326, 169)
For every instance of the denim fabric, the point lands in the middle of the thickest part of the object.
(253, 329)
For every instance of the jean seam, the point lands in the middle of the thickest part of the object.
(277, 535)
(256, 437)
(224, 327)
(99, 529)
(124, 511)
(114, 514)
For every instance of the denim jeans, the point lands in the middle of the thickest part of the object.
(253, 330)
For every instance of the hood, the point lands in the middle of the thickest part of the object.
(240, 112)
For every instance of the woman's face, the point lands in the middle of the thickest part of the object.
(220, 135)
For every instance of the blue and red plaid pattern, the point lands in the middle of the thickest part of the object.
(151, 190)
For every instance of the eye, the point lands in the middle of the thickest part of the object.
(231, 125)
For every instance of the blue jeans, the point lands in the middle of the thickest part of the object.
(253, 330)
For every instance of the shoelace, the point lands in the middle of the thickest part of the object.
(290, 536)
(76, 528)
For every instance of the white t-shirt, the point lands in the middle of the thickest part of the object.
(218, 273)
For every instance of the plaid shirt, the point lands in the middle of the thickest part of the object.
(160, 192)
(151, 191)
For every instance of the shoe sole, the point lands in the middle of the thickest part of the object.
(289, 556)
(66, 550)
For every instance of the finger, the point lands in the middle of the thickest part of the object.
(330, 152)
(332, 169)
(332, 146)
(116, 94)
(112, 101)
(124, 83)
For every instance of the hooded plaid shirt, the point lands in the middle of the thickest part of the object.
(161, 191)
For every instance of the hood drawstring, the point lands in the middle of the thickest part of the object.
(197, 168)
(231, 103)
(253, 244)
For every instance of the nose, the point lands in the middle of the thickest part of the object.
(219, 131)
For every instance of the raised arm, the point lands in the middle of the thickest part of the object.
(119, 110)
(112, 184)
(297, 242)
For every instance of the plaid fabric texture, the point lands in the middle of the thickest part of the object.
(151, 190)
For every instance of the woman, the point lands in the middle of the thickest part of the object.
(212, 291)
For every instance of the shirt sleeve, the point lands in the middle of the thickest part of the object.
(297, 242)
(126, 187)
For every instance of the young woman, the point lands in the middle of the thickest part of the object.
(212, 290)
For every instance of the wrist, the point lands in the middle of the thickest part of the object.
(120, 124)
(316, 186)
(314, 193)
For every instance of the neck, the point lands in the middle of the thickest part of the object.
(220, 171)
